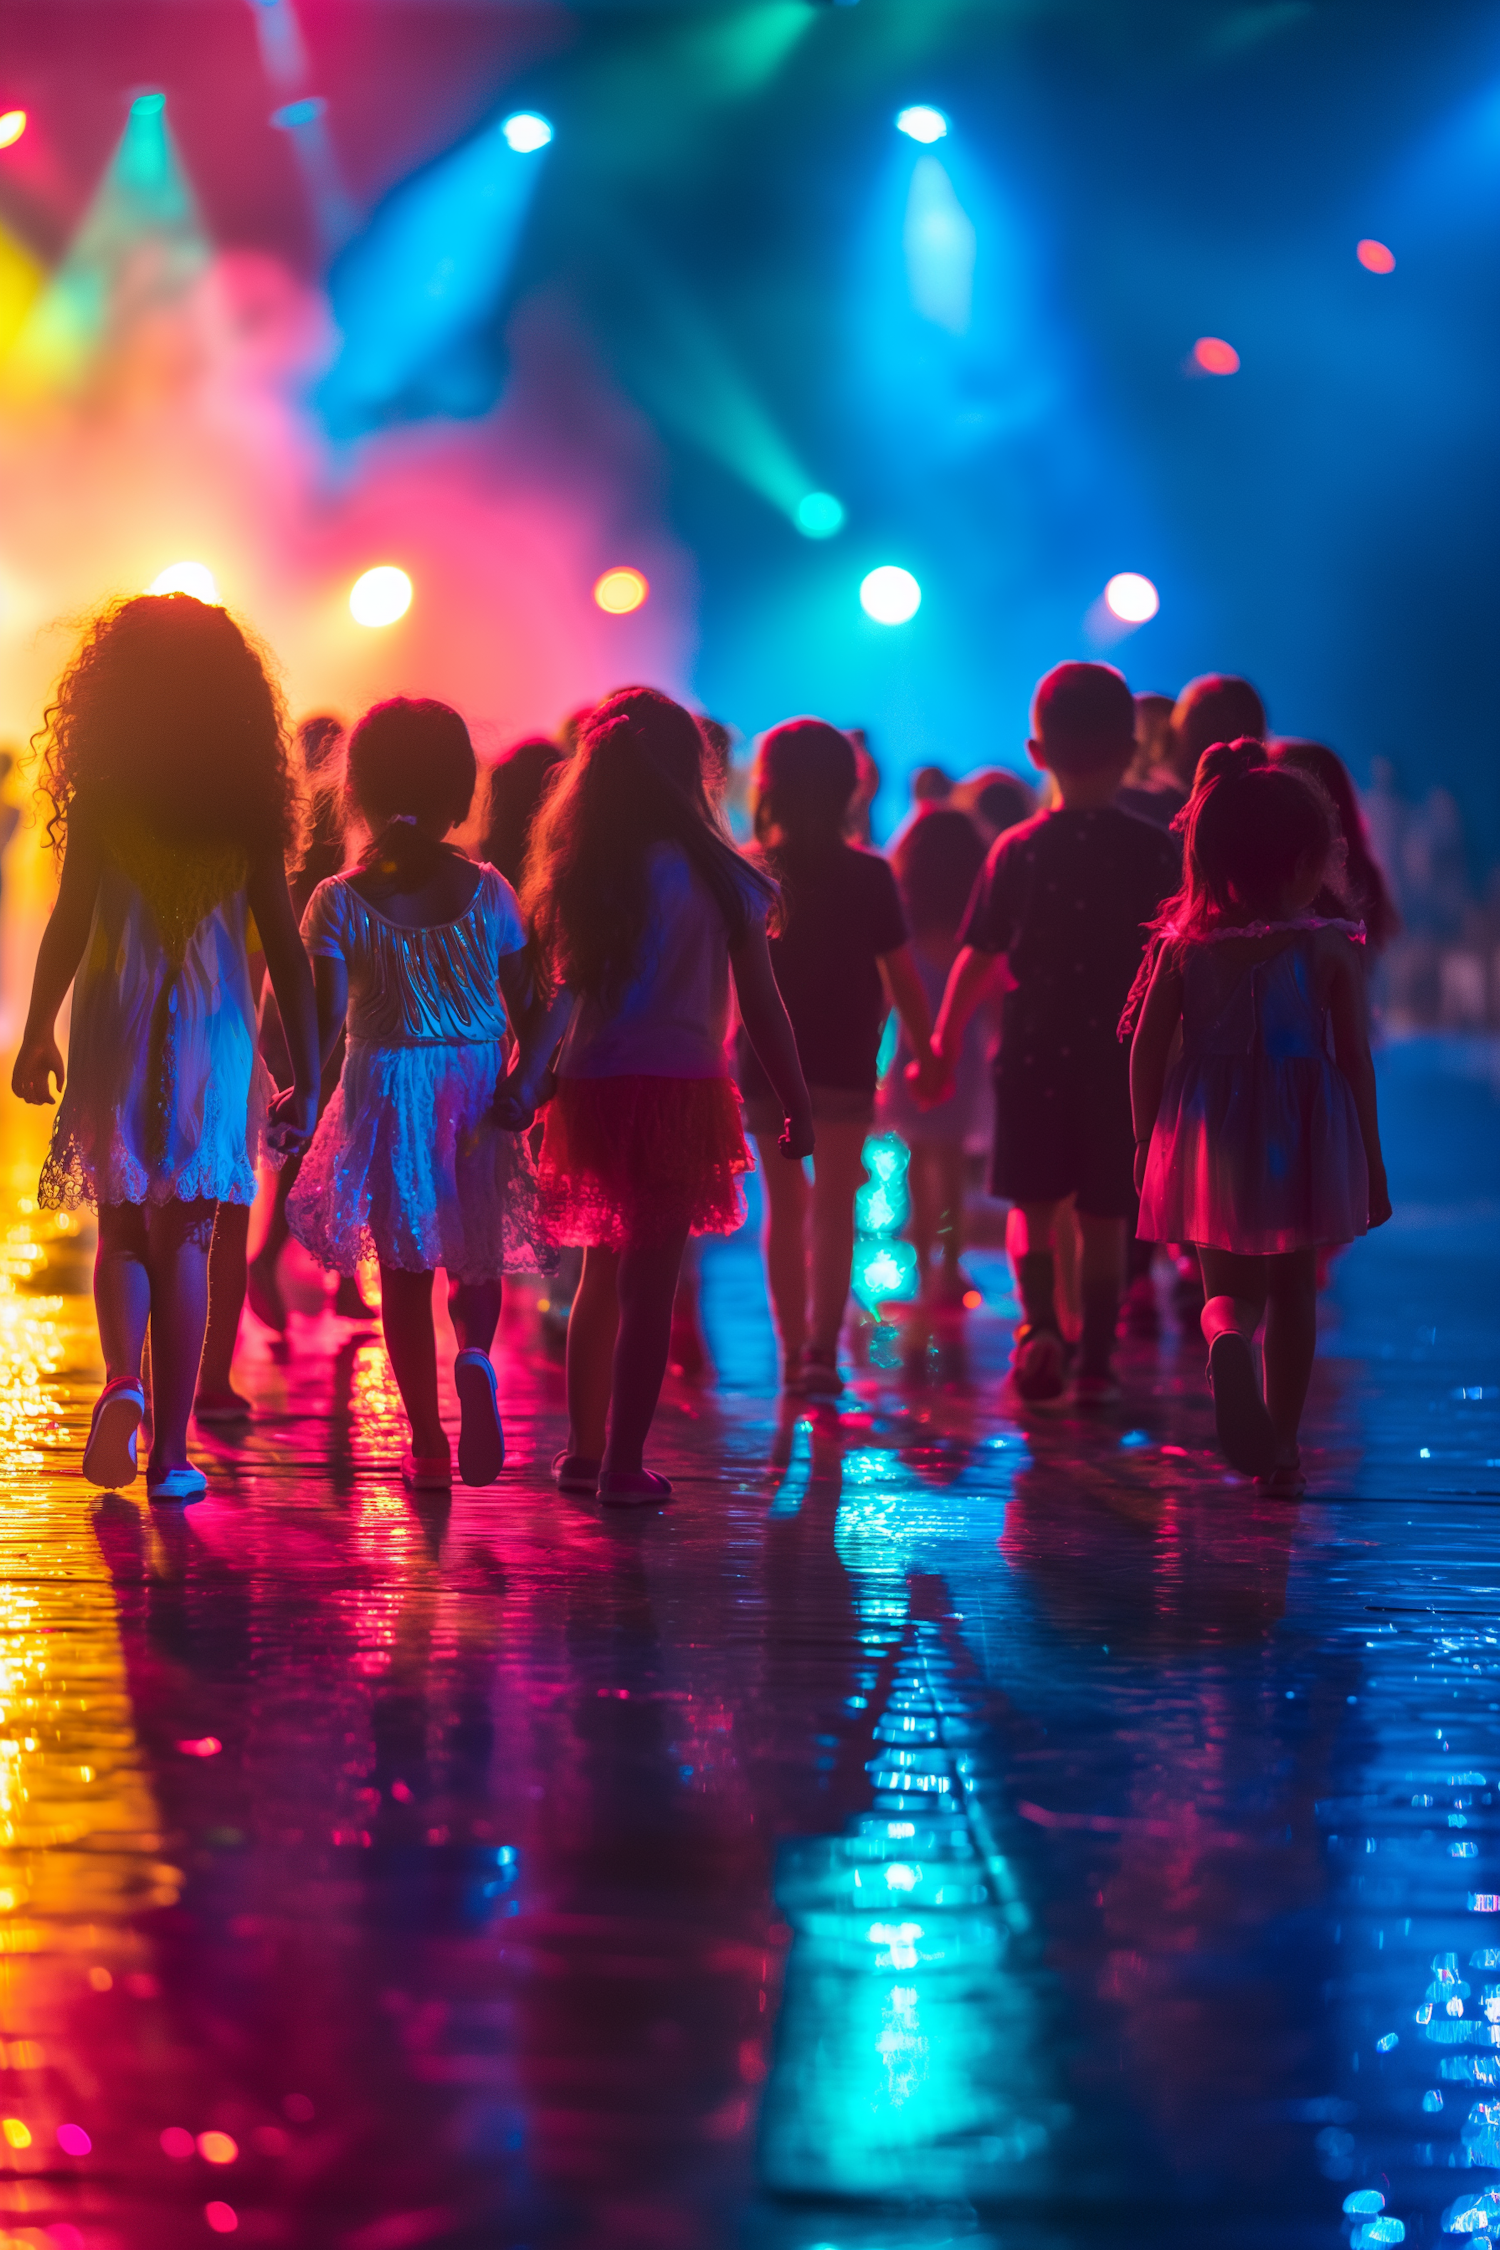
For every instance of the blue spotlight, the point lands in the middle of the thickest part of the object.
(923, 124)
(819, 515)
(526, 132)
(414, 294)
(333, 209)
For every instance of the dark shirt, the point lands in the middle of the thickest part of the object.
(1064, 897)
(1159, 803)
(840, 912)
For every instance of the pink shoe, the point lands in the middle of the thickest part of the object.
(109, 1458)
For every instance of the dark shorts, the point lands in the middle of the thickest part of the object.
(1063, 1131)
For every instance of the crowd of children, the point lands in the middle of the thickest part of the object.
(486, 1062)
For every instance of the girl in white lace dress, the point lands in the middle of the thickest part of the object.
(172, 805)
(420, 1159)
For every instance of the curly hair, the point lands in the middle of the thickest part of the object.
(168, 719)
(637, 780)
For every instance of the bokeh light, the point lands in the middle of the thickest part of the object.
(218, 2148)
(73, 2140)
(380, 596)
(222, 2217)
(12, 126)
(526, 132)
(201, 1746)
(1131, 598)
(16, 2134)
(819, 515)
(890, 595)
(922, 124)
(193, 578)
(1374, 256)
(178, 2143)
(620, 591)
(1215, 357)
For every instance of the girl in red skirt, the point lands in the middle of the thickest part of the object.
(641, 907)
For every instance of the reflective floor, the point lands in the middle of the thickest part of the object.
(926, 1830)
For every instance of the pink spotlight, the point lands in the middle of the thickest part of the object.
(1374, 256)
(1215, 357)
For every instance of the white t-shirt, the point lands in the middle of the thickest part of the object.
(672, 1020)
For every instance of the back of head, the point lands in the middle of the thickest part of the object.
(1250, 829)
(410, 761)
(167, 719)
(1367, 885)
(806, 772)
(636, 781)
(318, 739)
(1083, 718)
(995, 800)
(518, 783)
(931, 786)
(1219, 707)
(937, 863)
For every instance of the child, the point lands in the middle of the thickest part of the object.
(418, 1160)
(642, 907)
(1363, 889)
(1065, 898)
(937, 864)
(841, 957)
(1254, 1145)
(172, 804)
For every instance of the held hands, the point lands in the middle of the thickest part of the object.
(37, 1064)
(518, 1098)
(293, 1120)
(797, 1136)
(930, 1077)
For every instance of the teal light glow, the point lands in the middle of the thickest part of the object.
(819, 515)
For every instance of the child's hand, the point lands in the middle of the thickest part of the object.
(930, 1078)
(517, 1100)
(292, 1123)
(37, 1064)
(1380, 1200)
(797, 1136)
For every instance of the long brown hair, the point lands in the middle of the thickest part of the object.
(637, 780)
(167, 720)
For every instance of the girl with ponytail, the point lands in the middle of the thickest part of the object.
(419, 1159)
(1260, 1142)
(641, 908)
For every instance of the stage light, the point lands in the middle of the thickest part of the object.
(12, 126)
(380, 596)
(1215, 357)
(819, 515)
(526, 132)
(293, 115)
(618, 592)
(1373, 256)
(148, 105)
(922, 124)
(193, 578)
(1131, 598)
(890, 595)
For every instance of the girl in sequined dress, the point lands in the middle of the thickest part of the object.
(1259, 1142)
(172, 805)
(420, 1158)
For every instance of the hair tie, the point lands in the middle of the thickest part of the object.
(402, 820)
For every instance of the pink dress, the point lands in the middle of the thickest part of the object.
(1257, 1146)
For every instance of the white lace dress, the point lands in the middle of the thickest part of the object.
(407, 1164)
(166, 1096)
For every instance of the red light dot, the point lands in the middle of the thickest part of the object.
(1215, 357)
(218, 2148)
(222, 2217)
(1374, 256)
(201, 1746)
(73, 2140)
(178, 2143)
(972, 1300)
(63, 2237)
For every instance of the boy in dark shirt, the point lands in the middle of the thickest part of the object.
(1064, 898)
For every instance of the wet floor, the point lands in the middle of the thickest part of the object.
(926, 1830)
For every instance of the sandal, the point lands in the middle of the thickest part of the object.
(633, 1488)
(575, 1472)
(109, 1457)
(427, 1472)
(1285, 1482)
(481, 1435)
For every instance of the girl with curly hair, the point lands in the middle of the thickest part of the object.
(640, 906)
(165, 763)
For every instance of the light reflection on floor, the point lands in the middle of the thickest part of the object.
(929, 1830)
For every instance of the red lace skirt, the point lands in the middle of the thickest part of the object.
(628, 1160)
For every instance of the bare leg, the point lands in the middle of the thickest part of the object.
(1038, 1358)
(838, 1169)
(122, 1289)
(178, 1236)
(226, 1299)
(1235, 1290)
(1234, 1298)
(1291, 1343)
(474, 1309)
(784, 1242)
(263, 1278)
(647, 1283)
(592, 1327)
(406, 1318)
(1101, 1281)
